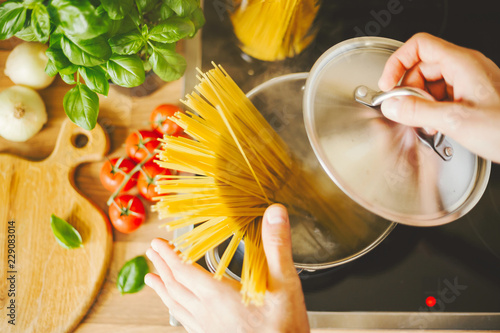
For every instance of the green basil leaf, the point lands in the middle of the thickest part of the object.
(147, 65)
(127, 43)
(126, 70)
(182, 7)
(86, 52)
(95, 78)
(82, 106)
(169, 66)
(117, 9)
(12, 18)
(131, 276)
(145, 6)
(55, 39)
(69, 79)
(197, 18)
(41, 23)
(51, 69)
(60, 61)
(166, 12)
(162, 47)
(135, 16)
(172, 30)
(153, 15)
(27, 34)
(66, 235)
(78, 18)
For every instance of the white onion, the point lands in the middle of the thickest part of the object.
(22, 113)
(26, 65)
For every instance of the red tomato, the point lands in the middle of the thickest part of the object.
(127, 213)
(147, 176)
(160, 121)
(113, 172)
(140, 143)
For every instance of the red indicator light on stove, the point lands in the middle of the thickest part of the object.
(430, 301)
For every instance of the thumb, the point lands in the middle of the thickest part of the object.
(419, 112)
(277, 243)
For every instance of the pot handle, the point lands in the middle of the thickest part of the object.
(373, 98)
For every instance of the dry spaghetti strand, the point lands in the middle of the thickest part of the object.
(237, 165)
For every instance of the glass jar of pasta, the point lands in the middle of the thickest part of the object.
(273, 30)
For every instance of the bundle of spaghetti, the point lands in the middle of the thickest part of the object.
(274, 29)
(238, 165)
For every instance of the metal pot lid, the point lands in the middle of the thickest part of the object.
(400, 173)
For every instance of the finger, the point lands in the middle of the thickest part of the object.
(177, 310)
(192, 276)
(438, 89)
(175, 288)
(417, 112)
(419, 48)
(414, 78)
(277, 243)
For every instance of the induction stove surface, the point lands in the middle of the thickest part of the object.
(451, 269)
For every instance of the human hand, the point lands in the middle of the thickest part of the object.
(204, 304)
(465, 84)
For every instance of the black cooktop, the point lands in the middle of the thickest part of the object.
(454, 268)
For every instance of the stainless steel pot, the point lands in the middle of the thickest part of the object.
(314, 243)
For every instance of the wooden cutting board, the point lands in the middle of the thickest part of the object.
(52, 288)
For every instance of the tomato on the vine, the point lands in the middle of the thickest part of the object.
(127, 213)
(113, 173)
(140, 143)
(147, 176)
(161, 123)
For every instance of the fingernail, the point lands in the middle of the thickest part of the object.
(380, 84)
(276, 215)
(390, 107)
(148, 253)
(147, 280)
(154, 245)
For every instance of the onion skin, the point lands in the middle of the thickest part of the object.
(26, 64)
(22, 113)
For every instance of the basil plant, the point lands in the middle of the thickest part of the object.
(100, 41)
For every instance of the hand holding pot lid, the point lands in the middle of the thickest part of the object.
(465, 83)
(410, 175)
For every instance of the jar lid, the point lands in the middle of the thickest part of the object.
(400, 173)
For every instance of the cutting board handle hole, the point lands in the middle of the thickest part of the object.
(79, 140)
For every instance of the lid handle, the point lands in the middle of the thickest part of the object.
(373, 98)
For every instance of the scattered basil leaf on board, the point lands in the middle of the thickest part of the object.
(66, 235)
(131, 275)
